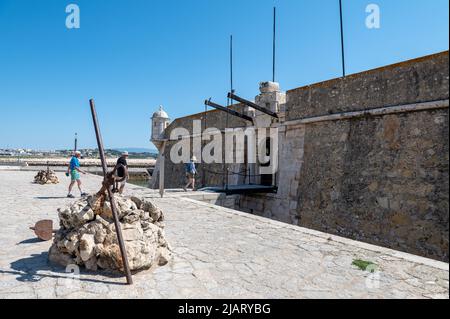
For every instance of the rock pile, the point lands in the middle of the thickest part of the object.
(87, 236)
(46, 177)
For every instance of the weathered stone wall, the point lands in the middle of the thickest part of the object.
(209, 174)
(383, 179)
(212, 118)
(379, 179)
(282, 206)
(420, 80)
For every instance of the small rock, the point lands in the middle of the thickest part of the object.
(46, 177)
(56, 256)
(383, 202)
(164, 257)
(87, 245)
(137, 202)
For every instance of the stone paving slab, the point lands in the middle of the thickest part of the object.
(219, 253)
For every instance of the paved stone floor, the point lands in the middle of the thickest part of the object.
(219, 253)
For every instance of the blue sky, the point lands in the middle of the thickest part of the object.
(133, 55)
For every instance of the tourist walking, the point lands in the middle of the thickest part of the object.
(191, 171)
(74, 171)
(122, 172)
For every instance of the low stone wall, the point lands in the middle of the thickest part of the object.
(420, 80)
(87, 162)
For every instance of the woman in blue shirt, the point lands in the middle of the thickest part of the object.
(74, 171)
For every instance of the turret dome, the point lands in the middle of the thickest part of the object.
(160, 114)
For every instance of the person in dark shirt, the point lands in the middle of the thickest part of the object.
(191, 171)
(122, 171)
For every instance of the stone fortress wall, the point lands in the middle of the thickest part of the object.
(208, 174)
(364, 157)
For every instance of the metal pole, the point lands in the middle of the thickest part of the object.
(111, 195)
(231, 63)
(342, 39)
(228, 110)
(225, 169)
(204, 121)
(162, 163)
(274, 41)
(253, 105)
(76, 142)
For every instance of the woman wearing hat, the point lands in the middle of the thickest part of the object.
(191, 171)
(74, 171)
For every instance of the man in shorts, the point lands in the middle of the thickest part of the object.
(191, 171)
(74, 171)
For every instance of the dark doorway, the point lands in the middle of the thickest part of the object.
(267, 179)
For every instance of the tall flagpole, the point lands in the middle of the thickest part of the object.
(231, 64)
(274, 42)
(342, 39)
(225, 170)
(76, 142)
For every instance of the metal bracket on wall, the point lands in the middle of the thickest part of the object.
(229, 111)
(253, 105)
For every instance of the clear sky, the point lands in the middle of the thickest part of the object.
(132, 56)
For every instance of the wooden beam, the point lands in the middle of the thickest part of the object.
(162, 158)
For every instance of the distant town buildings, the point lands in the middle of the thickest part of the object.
(87, 153)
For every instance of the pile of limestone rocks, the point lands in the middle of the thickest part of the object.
(87, 236)
(46, 177)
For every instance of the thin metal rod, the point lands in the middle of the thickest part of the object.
(229, 111)
(251, 104)
(111, 194)
(274, 42)
(225, 173)
(342, 39)
(162, 168)
(76, 142)
(231, 63)
(205, 122)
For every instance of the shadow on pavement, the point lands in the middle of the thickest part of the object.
(31, 241)
(29, 270)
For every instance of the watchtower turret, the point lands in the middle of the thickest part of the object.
(160, 121)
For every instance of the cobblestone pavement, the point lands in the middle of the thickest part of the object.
(219, 253)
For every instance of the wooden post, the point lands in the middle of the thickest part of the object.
(162, 159)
